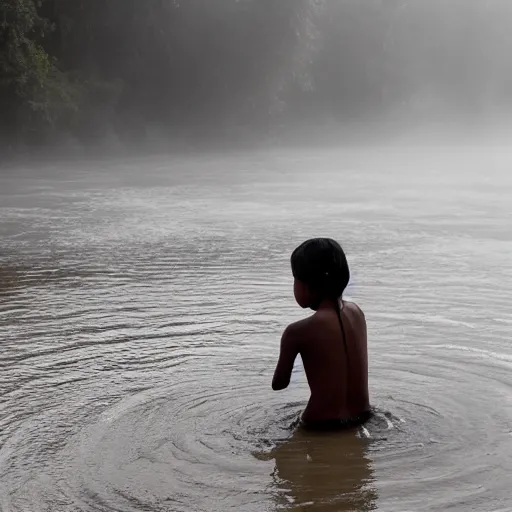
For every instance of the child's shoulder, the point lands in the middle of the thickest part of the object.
(350, 305)
(299, 325)
(298, 330)
(302, 328)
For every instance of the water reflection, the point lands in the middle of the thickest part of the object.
(324, 472)
(10, 279)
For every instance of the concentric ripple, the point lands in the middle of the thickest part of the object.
(178, 447)
(457, 410)
(140, 319)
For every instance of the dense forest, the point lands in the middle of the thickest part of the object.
(131, 70)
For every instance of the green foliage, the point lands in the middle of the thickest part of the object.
(96, 66)
(34, 94)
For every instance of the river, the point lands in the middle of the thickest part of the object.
(142, 302)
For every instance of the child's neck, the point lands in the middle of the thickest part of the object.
(328, 305)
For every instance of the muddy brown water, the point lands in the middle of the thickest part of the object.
(141, 305)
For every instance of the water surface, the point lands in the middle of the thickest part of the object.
(141, 305)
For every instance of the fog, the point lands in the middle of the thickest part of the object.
(194, 73)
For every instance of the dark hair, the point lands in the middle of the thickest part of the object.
(322, 265)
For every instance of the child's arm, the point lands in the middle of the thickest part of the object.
(288, 353)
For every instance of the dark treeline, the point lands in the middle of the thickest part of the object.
(132, 70)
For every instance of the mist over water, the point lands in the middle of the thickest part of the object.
(144, 261)
(188, 74)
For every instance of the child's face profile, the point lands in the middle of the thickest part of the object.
(302, 294)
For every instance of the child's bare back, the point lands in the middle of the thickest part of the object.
(332, 344)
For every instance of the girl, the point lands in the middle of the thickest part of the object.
(332, 342)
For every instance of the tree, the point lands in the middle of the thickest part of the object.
(33, 92)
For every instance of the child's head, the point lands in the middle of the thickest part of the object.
(321, 272)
